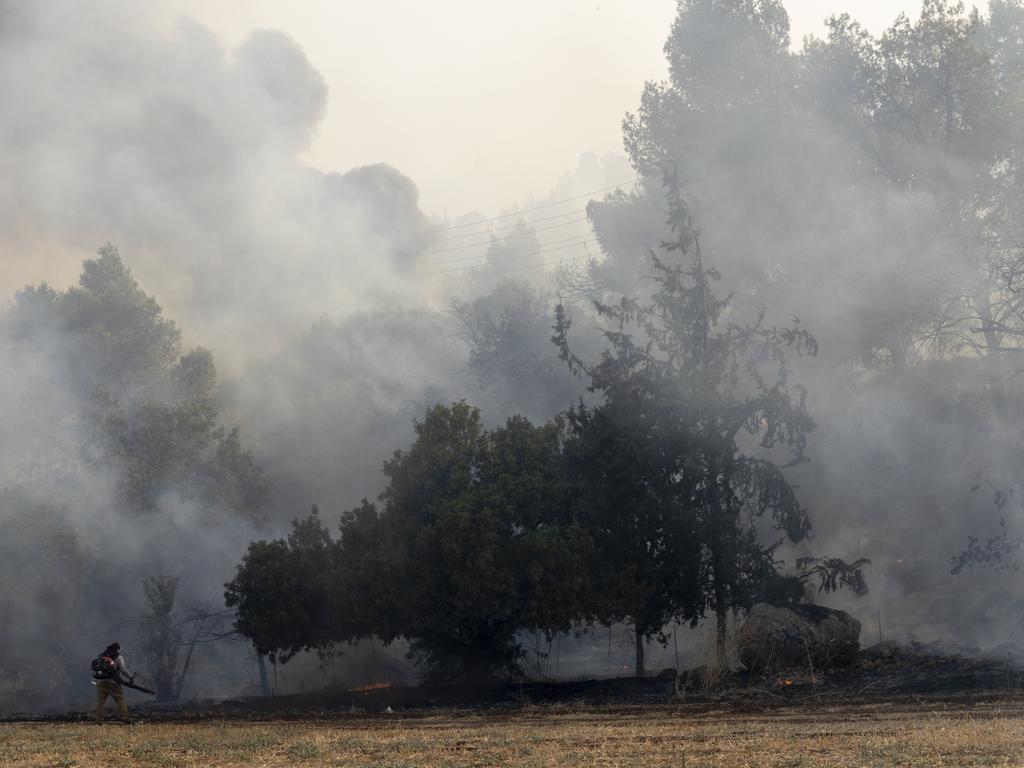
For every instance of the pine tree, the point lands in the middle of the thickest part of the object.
(714, 407)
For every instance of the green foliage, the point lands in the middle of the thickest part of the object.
(477, 540)
(281, 591)
(121, 337)
(680, 386)
(834, 573)
(621, 465)
(1000, 551)
(508, 334)
(156, 408)
(470, 543)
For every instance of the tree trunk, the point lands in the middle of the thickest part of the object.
(184, 668)
(639, 652)
(264, 682)
(721, 636)
(721, 607)
(188, 659)
(996, 390)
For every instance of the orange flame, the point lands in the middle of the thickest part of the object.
(370, 687)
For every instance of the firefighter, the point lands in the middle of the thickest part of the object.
(109, 671)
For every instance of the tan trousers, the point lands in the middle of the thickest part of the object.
(110, 688)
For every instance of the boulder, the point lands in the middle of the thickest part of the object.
(776, 637)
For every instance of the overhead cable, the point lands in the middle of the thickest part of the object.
(522, 249)
(518, 223)
(507, 237)
(539, 207)
(512, 258)
(514, 269)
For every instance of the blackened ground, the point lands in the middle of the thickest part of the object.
(886, 671)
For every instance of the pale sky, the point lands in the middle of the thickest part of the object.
(483, 103)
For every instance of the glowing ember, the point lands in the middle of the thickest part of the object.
(370, 687)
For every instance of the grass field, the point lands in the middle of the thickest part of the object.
(871, 734)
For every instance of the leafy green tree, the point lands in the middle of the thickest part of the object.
(471, 543)
(622, 466)
(282, 591)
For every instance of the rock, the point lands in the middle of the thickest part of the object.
(776, 637)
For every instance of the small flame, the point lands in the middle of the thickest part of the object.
(783, 681)
(370, 687)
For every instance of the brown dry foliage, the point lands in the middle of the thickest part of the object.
(875, 734)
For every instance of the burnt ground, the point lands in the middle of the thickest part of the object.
(887, 671)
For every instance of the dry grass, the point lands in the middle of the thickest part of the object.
(877, 734)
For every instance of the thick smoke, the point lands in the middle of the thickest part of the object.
(336, 311)
(871, 202)
(185, 155)
(305, 285)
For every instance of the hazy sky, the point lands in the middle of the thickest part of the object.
(483, 103)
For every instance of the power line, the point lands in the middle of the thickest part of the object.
(539, 207)
(514, 269)
(525, 249)
(526, 256)
(513, 226)
(507, 237)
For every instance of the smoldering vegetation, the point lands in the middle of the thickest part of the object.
(867, 185)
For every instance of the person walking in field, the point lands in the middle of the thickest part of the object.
(108, 672)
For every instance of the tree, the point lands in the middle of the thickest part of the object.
(871, 185)
(621, 466)
(108, 420)
(472, 543)
(520, 246)
(699, 380)
(282, 592)
(156, 408)
(161, 637)
(46, 589)
(122, 341)
(510, 353)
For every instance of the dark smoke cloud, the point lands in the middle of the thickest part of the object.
(186, 155)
